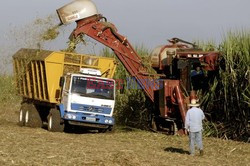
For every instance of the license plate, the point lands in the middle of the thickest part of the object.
(91, 119)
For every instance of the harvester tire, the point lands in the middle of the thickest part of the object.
(153, 124)
(173, 128)
(21, 117)
(32, 117)
(54, 121)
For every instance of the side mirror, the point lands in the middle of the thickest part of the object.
(58, 94)
(62, 80)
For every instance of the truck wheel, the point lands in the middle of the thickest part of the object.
(21, 118)
(54, 121)
(32, 117)
(102, 130)
(109, 129)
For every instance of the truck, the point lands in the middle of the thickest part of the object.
(63, 89)
(166, 91)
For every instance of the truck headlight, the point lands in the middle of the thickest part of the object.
(110, 121)
(70, 116)
(106, 121)
(67, 116)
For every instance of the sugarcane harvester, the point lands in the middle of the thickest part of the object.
(165, 89)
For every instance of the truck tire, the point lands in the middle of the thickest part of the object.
(109, 129)
(32, 117)
(54, 121)
(102, 130)
(21, 117)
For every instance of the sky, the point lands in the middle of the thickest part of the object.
(147, 22)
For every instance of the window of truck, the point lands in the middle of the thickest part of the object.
(93, 87)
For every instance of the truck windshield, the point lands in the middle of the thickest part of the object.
(93, 87)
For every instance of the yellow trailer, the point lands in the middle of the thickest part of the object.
(46, 80)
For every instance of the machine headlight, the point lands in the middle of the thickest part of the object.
(110, 121)
(106, 121)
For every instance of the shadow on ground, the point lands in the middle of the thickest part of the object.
(176, 150)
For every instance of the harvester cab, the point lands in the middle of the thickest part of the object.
(179, 59)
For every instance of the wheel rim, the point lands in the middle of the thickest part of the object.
(21, 116)
(50, 122)
(153, 124)
(27, 117)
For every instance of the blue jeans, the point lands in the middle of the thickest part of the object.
(195, 138)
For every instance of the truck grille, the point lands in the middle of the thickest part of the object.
(88, 108)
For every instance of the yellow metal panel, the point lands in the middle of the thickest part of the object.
(53, 73)
(107, 67)
(28, 81)
(23, 78)
(39, 91)
(17, 75)
(33, 80)
(43, 81)
(112, 73)
(54, 70)
(56, 57)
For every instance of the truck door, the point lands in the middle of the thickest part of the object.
(65, 93)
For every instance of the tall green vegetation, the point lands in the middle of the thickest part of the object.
(131, 102)
(228, 100)
(7, 90)
(9, 101)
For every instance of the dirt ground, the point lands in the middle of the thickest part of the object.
(124, 146)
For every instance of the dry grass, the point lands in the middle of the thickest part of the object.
(124, 146)
(51, 33)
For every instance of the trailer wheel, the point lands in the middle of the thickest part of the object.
(21, 117)
(54, 121)
(32, 117)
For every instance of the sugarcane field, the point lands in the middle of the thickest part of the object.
(125, 83)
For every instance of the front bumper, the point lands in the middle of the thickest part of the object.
(87, 118)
